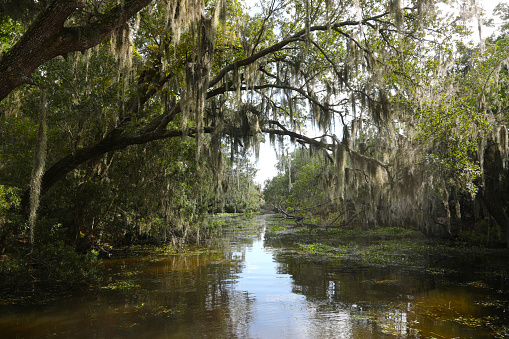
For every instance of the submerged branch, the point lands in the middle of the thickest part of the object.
(287, 215)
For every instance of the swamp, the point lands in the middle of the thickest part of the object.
(261, 281)
(254, 169)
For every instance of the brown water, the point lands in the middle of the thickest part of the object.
(253, 290)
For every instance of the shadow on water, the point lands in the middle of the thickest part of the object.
(251, 288)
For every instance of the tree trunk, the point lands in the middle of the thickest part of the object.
(497, 211)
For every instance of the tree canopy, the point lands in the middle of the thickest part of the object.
(157, 96)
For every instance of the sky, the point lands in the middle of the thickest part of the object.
(267, 156)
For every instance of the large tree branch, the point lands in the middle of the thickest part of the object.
(114, 141)
(117, 139)
(278, 46)
(47, 37)
(111, 143)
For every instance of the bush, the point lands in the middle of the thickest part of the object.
(52, 263)
(62, 263)
(215, 224)
(10, 220)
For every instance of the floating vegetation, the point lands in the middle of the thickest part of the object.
(316, 248)
(378, 259)
(396, 246)
(491, 303)
(277, 228)
(476, 322)
(394, 232)
(167, 311)
(121, 285)
(382, 232)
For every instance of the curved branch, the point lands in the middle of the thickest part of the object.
(112, 142)
(305, 95)
(156, 129)
(296, 37)
(47, 38)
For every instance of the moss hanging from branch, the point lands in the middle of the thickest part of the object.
(197, 73)
(38, 166)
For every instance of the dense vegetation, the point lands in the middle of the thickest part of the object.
(131, 120)
(437, 164)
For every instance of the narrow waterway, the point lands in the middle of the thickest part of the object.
(276, 308)
(250, 289)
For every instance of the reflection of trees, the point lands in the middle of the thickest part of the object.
(203, 294)
(240, 314)
(181, 296)
(347, 282)
(341, 293)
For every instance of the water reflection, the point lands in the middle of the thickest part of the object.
(276, 311)
(253, 290)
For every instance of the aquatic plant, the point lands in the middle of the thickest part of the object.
(316, 248)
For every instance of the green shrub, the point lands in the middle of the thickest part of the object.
(52, 263)
(60, 262)
(215, 223)
(10, 219)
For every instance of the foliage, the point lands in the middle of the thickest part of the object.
(9, 202)
(316, 248)
(148, 130)
(238, 191)
(51, 263)
(447, 128)
(156, 191)
(10, 31)
(59, 262)
(10, 221)
(216, 223)
(299, 188)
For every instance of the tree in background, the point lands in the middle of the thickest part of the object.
(299, 190)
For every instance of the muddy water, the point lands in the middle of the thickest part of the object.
(252, 290)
